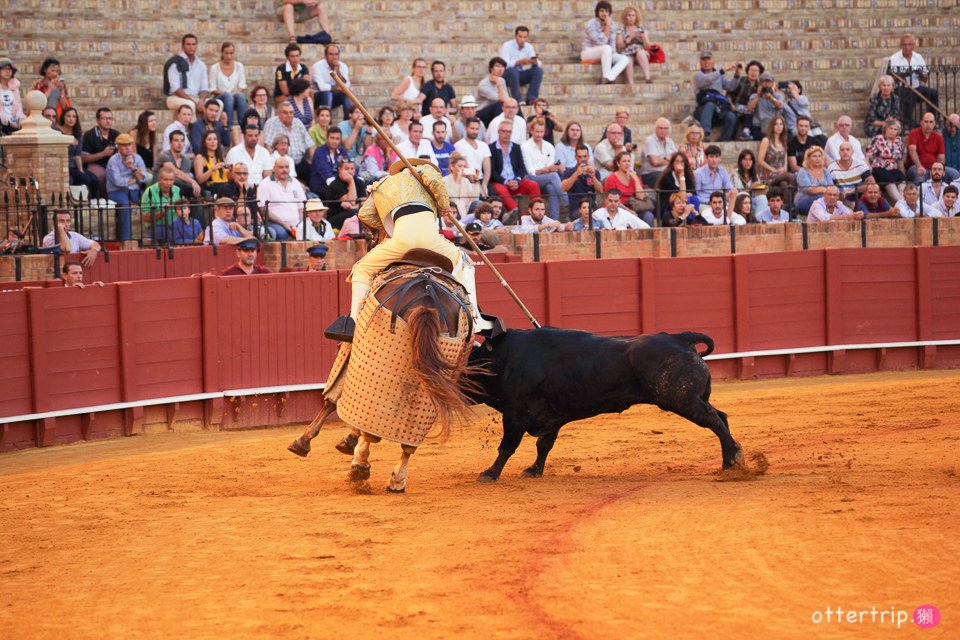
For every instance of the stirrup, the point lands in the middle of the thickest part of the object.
(341, 329)
(489, 325)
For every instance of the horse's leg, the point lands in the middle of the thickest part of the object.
(301, 446)
(360, 466)
(348, 442)
(398, 478)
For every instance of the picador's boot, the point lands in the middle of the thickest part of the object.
(343, 327)
(466, 275)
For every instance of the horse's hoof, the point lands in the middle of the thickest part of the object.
(299, 448)
(402, 489)
(532, 472)
(486, 478)
(347, 444)
(359, 473)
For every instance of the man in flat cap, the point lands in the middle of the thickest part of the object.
(246, 259)
(127, 176)
(317, 257)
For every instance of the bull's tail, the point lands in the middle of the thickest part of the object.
(693, 338)
(445, 383)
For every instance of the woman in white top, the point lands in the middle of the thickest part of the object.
(401, 126)
(409, 87)
(462, 192)
(228, 82)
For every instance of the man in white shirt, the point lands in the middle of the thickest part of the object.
(181, 124)
(539, 156)
(328, 92)
(477, 153)
(511, 109)
(536, 220)
(911, 67)
(188, 87)
(828, 207)
(613, 216)
(70, 241)
(657, 149)
(415, 146)
(250, 153)
(909, 206)
(932, 189)
(438, 110)
(607, 149)
(714, 214)
(948, 205)
(523, 65)
(832, 149)
(285, 198)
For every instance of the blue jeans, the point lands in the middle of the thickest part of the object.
(949, 175)
(123, 198)
(278, 231)
(707, 112)
(515, 78)
(233, 103)
(550, 186)
(334, 99)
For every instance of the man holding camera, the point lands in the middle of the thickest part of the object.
(523, 65)
(710, 84)
(766, 104)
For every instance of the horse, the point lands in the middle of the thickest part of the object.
(406, 368)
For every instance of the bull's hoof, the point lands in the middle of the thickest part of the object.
(486, 477)
(359, 473)
(532, 472)
(402, 489)
(299, 447)
(347, 444)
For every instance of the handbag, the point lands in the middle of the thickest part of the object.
(656, 54)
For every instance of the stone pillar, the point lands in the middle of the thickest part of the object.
(37, 151)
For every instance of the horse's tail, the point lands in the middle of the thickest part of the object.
(445, 383)
(693, 338)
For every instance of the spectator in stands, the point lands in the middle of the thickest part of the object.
(294, 11)
(476, 152)
(326, 160)
(51, 114)
(127, 176)
(524, 67)
(157, 205)
(884, 107)
(951, 141)
(584, 219)
(571, 139)
(774, 213)
(508, 174)
(829, 207)
(209, 166)
(354, 133)
(657, 149)
(600, 43)
(462, 192)
(511, 113)
(70, 125)
(536, 220)
(245, 195)
(540, 160)
(765, 105)
(209, 122)
(746, 178)
(416, 146)
(321, 125)
(282, 199)
(716, 212)
(614, 216)
(98, 145)
(796, 105)
(712, 177)
(832, 150)
(622, 117)
(492, 94)
(186, 229)
(252, 154)
(69, 240)
(11, 102)
(301, 146)
(677, 176)
(947, 206)
(911, 68)
(772, 163)
(680, 211)
(440, 147)
(692, 146)
(345, 193)
(468, 110)
(627, 182)
(228, 82)
(181, 164)
(181, 124)
(872, 204)
(376, 160)
(51, 84)
(925, 146)
(145, 136)
(746, 85)
(329, 93)
(605, 153)
(813, 179)
(743, 207)
(798, 145)
(436, 113)
(246, 265)
(301, 101)
(186, 79)
(281, 149)
(886, 157)
(261, 105)
(410, 87)
(580, 181)
(932, 189)
(910, 205)
(541, 109)
(712, 105)
(290, 70)
(633, 42)
(484, 216)
(438, 87)
(400, 130)
(318, 228)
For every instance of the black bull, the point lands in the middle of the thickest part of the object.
(541, 379)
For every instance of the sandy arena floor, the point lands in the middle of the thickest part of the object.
(628, 535)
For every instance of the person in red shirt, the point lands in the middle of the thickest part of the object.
(246, 259)
(925, 146)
